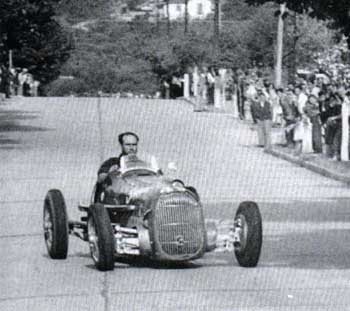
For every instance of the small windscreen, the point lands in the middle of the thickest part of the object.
(132, 163)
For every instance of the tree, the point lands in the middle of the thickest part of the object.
(338, 11)
(79, 10)
(134, 57)
(38, 42)
(237, 10)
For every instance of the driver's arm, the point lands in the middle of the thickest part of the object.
(105, 169)
(101, 177)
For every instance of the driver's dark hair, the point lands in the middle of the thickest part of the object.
(121, 136)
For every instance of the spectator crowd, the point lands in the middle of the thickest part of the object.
(17, 82)
(309, 111)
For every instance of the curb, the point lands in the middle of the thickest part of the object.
(204, 108)
(310, 166)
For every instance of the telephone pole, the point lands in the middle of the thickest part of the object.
(216, 21)
(168, 17)
(157, 16)
(279, 54)
(186, 16)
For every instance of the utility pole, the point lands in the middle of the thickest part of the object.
(295, 42)
(157, 15)
(167, 17)
(10, 60)
(216, 21)
(186, 16)
(279, 54)
(219, 16)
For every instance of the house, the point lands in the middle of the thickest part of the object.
(197, 9)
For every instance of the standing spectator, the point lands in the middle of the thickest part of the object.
(22, 77)
(195, 82)
(203, 84)
(2, 95)
(176, 88)
(26, 86)
(165, 88)
(331, 118)
(334, 123)
(13, 82)
(312, 110)
(323, 103)
(305, 87)
(5, 82)
(301, 130)
(290, 114)
(315, 89)
(251, 98)
(232, 87)
(263, 115)
(275, 104)
(211, 74)
(241, 93)
(217, 88)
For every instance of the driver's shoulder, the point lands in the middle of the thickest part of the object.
(108, 163)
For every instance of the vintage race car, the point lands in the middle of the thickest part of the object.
(139, 211)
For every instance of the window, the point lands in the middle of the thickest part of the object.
(178, 7)
(200, 8)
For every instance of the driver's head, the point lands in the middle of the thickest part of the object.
(128, 141)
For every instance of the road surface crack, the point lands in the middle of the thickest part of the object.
(105, 292)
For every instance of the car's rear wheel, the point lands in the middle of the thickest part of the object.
(248, 224)
(55, 224)
(101, 238)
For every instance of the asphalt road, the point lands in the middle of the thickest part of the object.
(59, 143)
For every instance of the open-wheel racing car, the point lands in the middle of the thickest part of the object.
(140, 212)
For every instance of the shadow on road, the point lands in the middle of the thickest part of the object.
(320, 249)
(300, 234)
(138, 262)
(12, 121)
(8, 143)
(329, 209)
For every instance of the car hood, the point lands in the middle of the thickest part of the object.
(143, 188)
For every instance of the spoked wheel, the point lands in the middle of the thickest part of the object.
(248, 224)
(55, 225)
(101, 238)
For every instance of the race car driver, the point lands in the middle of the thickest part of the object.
(128, 142)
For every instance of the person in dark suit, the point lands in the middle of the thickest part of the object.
(128, 142)
(263, 115)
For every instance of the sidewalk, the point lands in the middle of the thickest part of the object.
(317, 163)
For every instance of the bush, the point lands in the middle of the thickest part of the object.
(65, 87)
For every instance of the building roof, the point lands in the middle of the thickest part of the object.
(176, 2)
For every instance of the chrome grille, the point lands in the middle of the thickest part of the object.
(179, 223)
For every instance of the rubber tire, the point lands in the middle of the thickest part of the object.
(56, 205)
(106, 241)
(249, 257)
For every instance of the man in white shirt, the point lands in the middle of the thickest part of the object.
(299, 131)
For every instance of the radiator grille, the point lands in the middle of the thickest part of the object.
(179, 224)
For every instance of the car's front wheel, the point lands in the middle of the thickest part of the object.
(55, 224)
(248, 224)
(101, 238)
